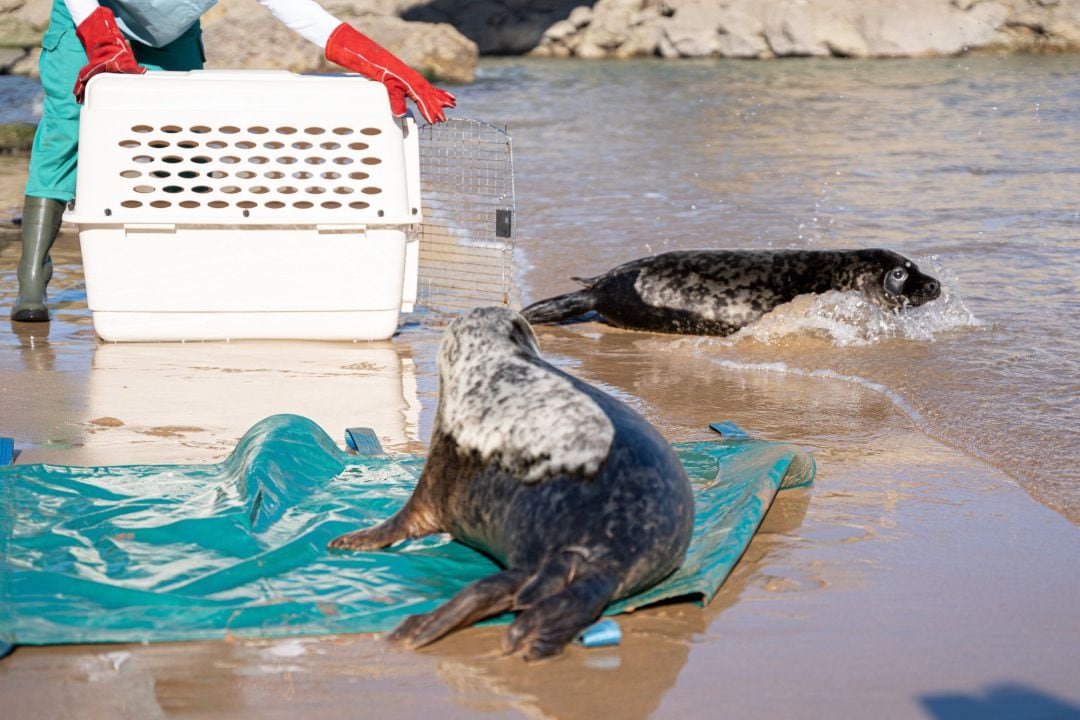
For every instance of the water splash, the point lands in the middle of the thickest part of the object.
(847, 319)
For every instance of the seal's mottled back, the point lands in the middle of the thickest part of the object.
(717, 292)
(575, 494)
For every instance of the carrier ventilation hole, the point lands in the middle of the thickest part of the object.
(161, 204)
(130, 174)
(342, 190)
(187, 144)
(371, 190)
(343, 131)
(158, 143)
(303, 205)
(329, 175)
(286, 130)
(171, 129)
(131, 204)
(331, 205)
(143, 159)
(358, 205)
(371, 131)
(314, 130)
(274, 175)
(258, 130)
(218, 204)
(247, 204)
(343, 161)
(302, 145)
(129, 143)
(188, 204)
(329, 145)
(200, 129)
(160, 173)
(144, 188)
(371, 161)
(273, 145)
(275, 204)
(230, 129)
(358, 146)
(359, 176)
(141, 128)
(245, 174)
(245, 144)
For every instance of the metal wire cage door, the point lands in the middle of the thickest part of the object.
(467, 237)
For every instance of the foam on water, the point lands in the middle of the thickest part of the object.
(847, 319)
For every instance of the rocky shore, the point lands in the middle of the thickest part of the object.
(443, 38)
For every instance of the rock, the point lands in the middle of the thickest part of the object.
(619, 29)
(443, 37)
(16, 137)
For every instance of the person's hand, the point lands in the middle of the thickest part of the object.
(106, 49)
(355, 51)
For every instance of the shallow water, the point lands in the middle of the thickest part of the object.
(969, 166)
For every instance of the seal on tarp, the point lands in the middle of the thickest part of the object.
(151, 553)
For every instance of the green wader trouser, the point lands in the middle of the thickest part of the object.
(53, 159)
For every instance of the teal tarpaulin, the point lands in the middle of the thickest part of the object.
(182, 552)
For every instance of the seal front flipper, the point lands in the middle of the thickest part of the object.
(412, 521)
(484, 598)
(563, 307)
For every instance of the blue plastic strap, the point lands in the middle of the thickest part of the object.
(363, 441)
(601, 634)
(729, 430)
(7, 451)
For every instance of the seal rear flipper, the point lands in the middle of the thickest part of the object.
(484, 598)
(562, 307)
(550, 624)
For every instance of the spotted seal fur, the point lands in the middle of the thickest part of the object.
(577, 496)
(717, 292)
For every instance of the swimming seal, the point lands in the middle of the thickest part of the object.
(717, 292)
(577, 496)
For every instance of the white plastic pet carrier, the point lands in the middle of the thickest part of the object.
(252, 204)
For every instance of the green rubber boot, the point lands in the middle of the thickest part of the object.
(40, 224)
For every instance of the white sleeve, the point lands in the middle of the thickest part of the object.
(306, 17)
(80, 9)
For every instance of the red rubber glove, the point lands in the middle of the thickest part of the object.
(106, 49)
(353, 50)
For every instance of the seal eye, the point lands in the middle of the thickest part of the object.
(894, 281)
